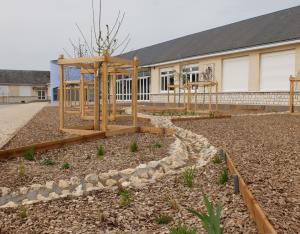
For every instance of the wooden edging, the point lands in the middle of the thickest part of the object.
(256, 212)
(176, 119)
(16, 152)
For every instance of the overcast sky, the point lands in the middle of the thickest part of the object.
(33, 32)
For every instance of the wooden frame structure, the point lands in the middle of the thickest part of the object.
(102, 68)
(293, 84)
(187, 94)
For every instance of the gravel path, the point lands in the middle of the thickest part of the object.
(100, 212)
(83, 159)
(14, 117)
(266, 150)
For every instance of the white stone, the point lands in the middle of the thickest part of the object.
(53, 195)
(153, 164)
(104, 176)
(50, 185)
(92, 178)
(125, 184)
(74, 180)
(65, 192)
(111, 182)
(127, 172)
(63, 184)
(157, 175)
(4, 191)
(35, 187)
(40, 197)
(24, 190)
(9, 205)
(78, 191)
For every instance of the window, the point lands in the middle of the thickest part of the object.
(166, 78)
(41, 94)
(190, 73)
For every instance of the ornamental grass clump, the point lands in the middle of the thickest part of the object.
(100, 152)
(183, 229)
(217, 159)
(212, 220)
(163, 219)
(125, 197)
(223, 177)
(29, 154)
(188, 177)
(48, 162)
(22, 169)
(22, 212)
(66, 166)
(133, 147)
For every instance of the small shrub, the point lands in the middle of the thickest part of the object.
(22, 169)
(217, 159)
(223, 177)
(48, 162)
(163, 219)
(133, 147)
(100, 151)
(125, 197)
(156, 145)
(183, 229)
(188, 177)
(22, 212)
(66, 166)
(212, 220)
(29, 154)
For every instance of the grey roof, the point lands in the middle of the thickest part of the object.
(24, 77)
(275, 27)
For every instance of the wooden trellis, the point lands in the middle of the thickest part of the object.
(293, 85)
(103, 68)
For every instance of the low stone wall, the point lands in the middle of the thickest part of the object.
(235, 98)
(187, 145)
(19, 99)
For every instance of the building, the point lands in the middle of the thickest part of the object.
(251, 60)
(19, 86)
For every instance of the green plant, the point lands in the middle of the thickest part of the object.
(156, 145)
(217, 159)
(188, 177)
(125, 197)
(66, 166)
(133, 147)
(211, 114)
(212, 220)
(100, 151)
(48, 162)
(182, 229)
(223, 177)
(163, 219)
(22, 212)
(22, 169)
(29, 154)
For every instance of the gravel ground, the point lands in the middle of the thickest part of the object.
(100, 211)
(44, 126)
(266, 151)
(83, 160)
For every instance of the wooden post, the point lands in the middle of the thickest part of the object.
(134, 91)
(114, 96)
(81, 95)
(209, 105)
(168, 94)
(217, 96)
(189, 98)
(184, 97)
(96, 98)
(291, 102)
(104, 86)
(196, 93)
(174, 95)
(61, 95)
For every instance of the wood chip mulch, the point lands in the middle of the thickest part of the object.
(266, 151)
(101, 212)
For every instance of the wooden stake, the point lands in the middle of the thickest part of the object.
(104, 93)
(114, 97)
(209, 107)
(96, 99)
(61, 95)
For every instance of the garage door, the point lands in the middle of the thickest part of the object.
(275, 69)
(235, 74)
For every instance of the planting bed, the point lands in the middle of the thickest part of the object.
(44, 126)
(100, 211)
(266, 151)
(83, 159)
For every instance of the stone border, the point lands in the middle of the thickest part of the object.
(187, 145)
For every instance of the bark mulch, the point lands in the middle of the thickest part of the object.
(44, 126)
(101, 212)
(266, 151)
(83, 159)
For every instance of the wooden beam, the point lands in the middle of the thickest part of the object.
(61, 95)
(134, 91)
(78, 61)
(104, 86)
(121, 61)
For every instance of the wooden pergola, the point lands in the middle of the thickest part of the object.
(293, 84)
(102, 68)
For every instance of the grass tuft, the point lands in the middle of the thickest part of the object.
(163, 219)
(100, 152)
(125, 197)
(212, 220)
(188, 177)
(133, 147)
(66, 166)
(22, 169)
(29, 154)
(156, 145)
(223, 177)
(48, 162)
(217, 159)
(22, 212)
(183, 229)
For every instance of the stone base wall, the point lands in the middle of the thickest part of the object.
(235, 98)
(19, 99)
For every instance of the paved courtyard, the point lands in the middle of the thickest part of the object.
(15, 116)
